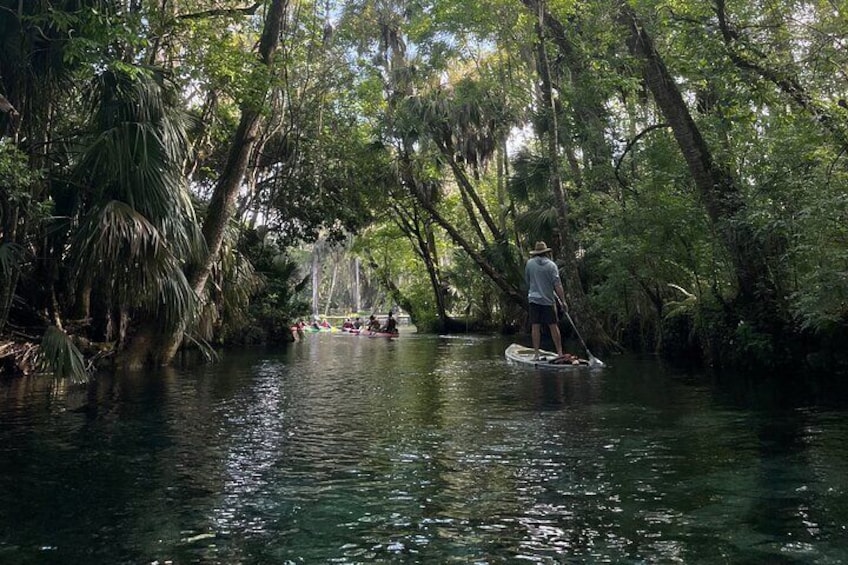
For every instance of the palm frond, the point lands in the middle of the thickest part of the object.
(234, 279)
(121, 248)
(530, 176)
(204, 347)
(116, 236)
(137, 153)
(207, 319)
(10, 257)
(58, 355)
(176, 299)
(538, 222)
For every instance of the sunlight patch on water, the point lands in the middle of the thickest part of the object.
(254, 430)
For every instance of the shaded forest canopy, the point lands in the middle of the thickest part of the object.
(186, 173)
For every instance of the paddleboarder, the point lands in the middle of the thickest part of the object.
(543, 288)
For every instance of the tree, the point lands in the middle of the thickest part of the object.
(549, 107)
(444, 121)
(137, 225)
(222, 203)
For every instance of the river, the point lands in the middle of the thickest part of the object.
(423, 449)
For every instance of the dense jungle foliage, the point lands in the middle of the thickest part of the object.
(183, 173)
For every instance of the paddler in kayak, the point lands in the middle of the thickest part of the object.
(373, 324)
(391, 325)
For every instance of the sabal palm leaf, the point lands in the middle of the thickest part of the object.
(182, 230)
(139, 225)
(58, 355)
(538, 222)
(288, 271)
(136, 156)
(122, 249)
(530, 176)
(203, 346)
(129, 164)
(176, 299)
(234, 280)
(10, 257)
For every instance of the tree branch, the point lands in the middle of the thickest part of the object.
(247, 11)
(787, 84)
(630, 145)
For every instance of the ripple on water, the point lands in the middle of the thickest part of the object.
(348, 450)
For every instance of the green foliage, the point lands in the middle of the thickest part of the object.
(820, 255)
(419, 294)
(474, 297)
(650, 255)
(10, 257)
(273, 294)
(138, 227)
(754, 348)
(15, 173)
(59, 356)
(16, 181)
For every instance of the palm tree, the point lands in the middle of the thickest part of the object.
(137, 226)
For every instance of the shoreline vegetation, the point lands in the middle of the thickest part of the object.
(177, 178)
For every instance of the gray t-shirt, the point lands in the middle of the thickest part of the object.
(541, 275)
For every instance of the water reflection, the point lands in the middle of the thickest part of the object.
(420, 450)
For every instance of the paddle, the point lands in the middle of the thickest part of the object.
(593, 361)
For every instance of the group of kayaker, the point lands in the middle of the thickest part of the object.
(316, 325)
(373, 324)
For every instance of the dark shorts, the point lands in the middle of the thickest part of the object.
(540, 314)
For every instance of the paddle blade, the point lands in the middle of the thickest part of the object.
(595, 362)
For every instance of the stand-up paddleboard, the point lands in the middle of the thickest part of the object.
(518, 353)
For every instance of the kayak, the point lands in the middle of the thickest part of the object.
(524, 355)
(370, 333)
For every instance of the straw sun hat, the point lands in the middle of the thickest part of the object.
(541, 247)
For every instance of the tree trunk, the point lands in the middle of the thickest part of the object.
(578, 302)
(514, 294)
(394, 292)
(8, 284)
(420, 232)
(357, 294)
(221, 205)
(316, 283)
(502, 161)
(468, 192)
(588, 106)
(715, 184)
(435, 274)
(332, 288)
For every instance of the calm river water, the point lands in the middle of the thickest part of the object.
(341, 449)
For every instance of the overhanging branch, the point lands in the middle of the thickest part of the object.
(218, 12)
